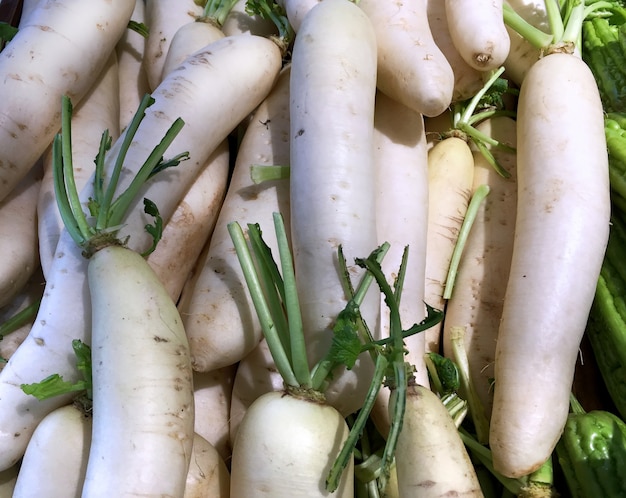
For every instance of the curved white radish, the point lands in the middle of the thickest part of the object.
(411, 67)
(285, 447)
(191, 224)
(450, 176)
(212, 392)
(164, 18)
(467, 79)
(133, 81)
(478, 32)
(143, 412)
(198, 89)
(478, 294)
(401, 162)
(208, 476)
(98, 111)
(33, 77)
(18, 235)
(561, 233)
(431, 459)
(332, 183)
(58, 449)
(219, 315)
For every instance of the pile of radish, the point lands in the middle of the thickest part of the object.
(248, 245)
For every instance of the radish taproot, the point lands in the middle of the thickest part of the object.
(561, 233)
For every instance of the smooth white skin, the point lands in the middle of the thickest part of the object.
(99, 110)
(522, 55)
(478, 32)
(58, 449)
(256, 375)
(467, 79)
(239, 22)
(219, 315)
(297, 10)
(450, 177)
(33, 77)
(18, 235)
(286, 446)
(164, 18)
(401, 162)
(411, 67)
(65, 311)
(143, 412)
(561, 232)
(133, 81)
(191, 224)
(208, 475)
(212, 398)
(332, 183)
(431, 459)
(478, 294)
(187, 39)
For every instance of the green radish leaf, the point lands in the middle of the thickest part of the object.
(346, 345)
(170, 163)
(139, 27)
(52, 386)
(447, 373)
(7, 32)
(156, 230)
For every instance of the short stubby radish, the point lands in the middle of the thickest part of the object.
(33, 77)
(411, 67)
(264, 462)
(561, 233)
(478, 32)
(332, 182)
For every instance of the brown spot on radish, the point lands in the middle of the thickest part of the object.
(157, 338)
(39, 341)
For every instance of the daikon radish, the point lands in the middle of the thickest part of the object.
(208, 475)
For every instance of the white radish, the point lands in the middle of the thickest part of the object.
(431, 459)
(33, 77)
(133, 81)
(285, 446)
(561, 233)
(58, 449)
(219, 315)
(185, 93)
(212, 392)
(98, 111)
(478, 32)
(411, 67)
(191, 224)
(296, 10)
(332, 182)
(451, 171)
(164, 18)
(402, 218)
(478, 294)
(208, 475)
(143, 412)
(467, 79)
(18, 235)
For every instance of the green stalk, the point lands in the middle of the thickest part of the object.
(264, 173)
(216, 11)
(477, 198)
(20, 318)
(534, 36)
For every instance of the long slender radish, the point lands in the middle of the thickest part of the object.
(18, 235)
(184, 93)
(431, 460)
(478, 32)
(451, 171)
(59, 450)
(402, 217)
(411, 67)
(208, 475)
(33, 77)
(561, 233)
(218, 312)
(332, 182)
(99, 110)
(191, 224)
(164, 18)
(467, 79)
(212, 393)
(478, 294)
(133, 81)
